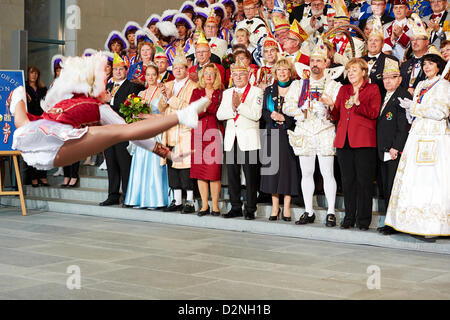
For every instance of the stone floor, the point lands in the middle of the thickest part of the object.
(137, 260)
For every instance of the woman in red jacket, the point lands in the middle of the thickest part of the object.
(206, 143)
(356, 110)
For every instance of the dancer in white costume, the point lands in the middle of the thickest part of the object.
(314, 133)
(61, 136)
(420, 200)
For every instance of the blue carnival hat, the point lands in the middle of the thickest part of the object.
(204, 12)
(116, 35)
(168, 15)
(153, 19)
(187, 5)
(233, 3)
(183, 18)
(130, 27)
(57, 59)
(202, 3)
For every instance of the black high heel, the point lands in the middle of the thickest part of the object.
(76, 185)
(287, 219)
(275, 218)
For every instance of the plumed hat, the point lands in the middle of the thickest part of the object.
(153, 19)
(113, 35)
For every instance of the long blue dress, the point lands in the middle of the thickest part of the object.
(148, 186)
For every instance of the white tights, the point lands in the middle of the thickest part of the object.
(307, 165)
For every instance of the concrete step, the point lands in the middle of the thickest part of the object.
(259, 226)
(95, 196)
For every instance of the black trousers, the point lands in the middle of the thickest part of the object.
(387, 174)
(32, 173)
(237, 159)
(118, 161)
(72, 170)
(358, 171)
(179, 178)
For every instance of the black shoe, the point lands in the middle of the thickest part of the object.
(44, 184)
(305, 218)
(203, 213)
(64, 185)
(215, 213)
(173, 207)
(363, 228)
(109, 202)
(232, 214)
(188, 208)
(387, 231)
(382, 229)
(331, 220)
(346, 225)
(249, 216)
(275, 218)
(284, 218)
(76, 185)
(424, 239)
(35, 185)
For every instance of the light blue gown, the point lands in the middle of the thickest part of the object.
(148, 185)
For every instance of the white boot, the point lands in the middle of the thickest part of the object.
(189, 115)
(59, 172)
(87, 161)
(93, 160)
(103, 166)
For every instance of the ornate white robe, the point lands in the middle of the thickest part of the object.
(420, 200)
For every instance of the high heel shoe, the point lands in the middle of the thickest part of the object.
(76, 185)
(275, 218)
(287, 219)
(44, 184)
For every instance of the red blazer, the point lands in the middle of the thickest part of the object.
(359, 123)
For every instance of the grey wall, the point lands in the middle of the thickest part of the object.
(12, 19)
(99, 17)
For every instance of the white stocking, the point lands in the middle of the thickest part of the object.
(307, 165)
(329, 182)
(177, 195)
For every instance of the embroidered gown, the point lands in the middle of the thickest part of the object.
(420, 200)
(148, 186)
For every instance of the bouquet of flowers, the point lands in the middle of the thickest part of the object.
(227, 61)
(132, 107)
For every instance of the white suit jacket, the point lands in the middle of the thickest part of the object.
(246, 128)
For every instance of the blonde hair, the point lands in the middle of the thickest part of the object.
(361, 63)
(217, 83)
(284, 63)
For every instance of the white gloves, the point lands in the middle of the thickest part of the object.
(407, 104)
(189, 115)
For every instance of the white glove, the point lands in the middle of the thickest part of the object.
(189, 115)
(405, 103)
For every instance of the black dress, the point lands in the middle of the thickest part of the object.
(284, 180)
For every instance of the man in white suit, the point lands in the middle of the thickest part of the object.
(241, 108)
